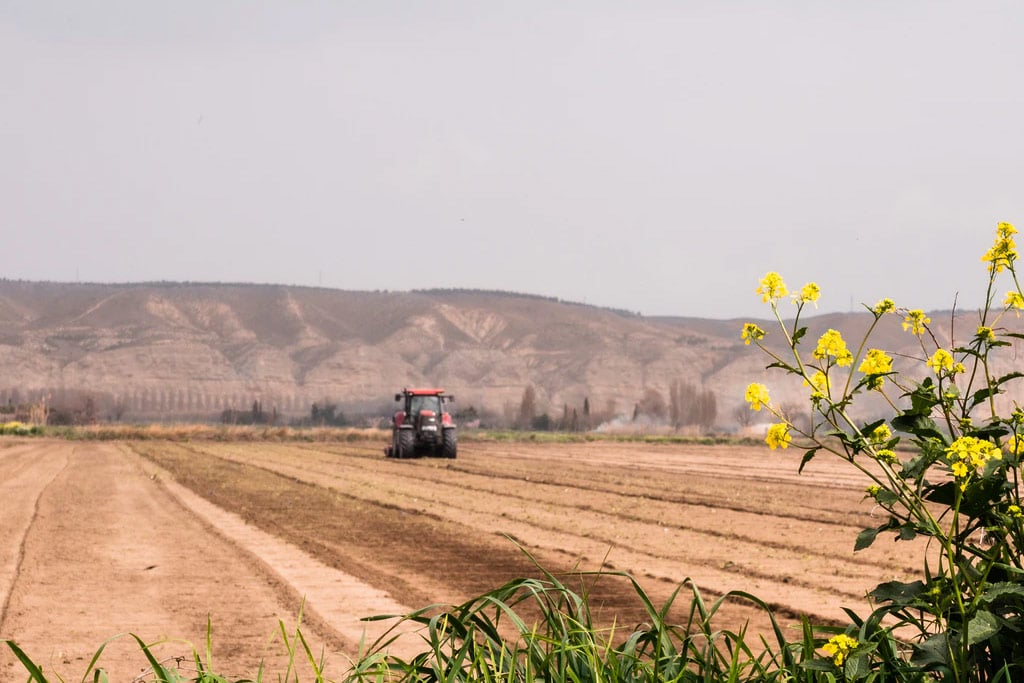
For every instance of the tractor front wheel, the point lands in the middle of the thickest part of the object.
(450, 445)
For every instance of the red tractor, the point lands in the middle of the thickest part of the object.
(423, 426)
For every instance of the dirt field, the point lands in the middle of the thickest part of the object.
(98, 539)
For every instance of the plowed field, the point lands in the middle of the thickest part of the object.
(154, 538)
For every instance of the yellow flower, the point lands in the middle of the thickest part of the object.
(772, 288)
(1014, 511)
(873, 490)
(751, 332)
(985, 334)
(959, 470)
(1015, 301)
(831, 344)
(778, 436)
(884, 306)
(1003, 252)
(1015, 444)
(757, 396)
(818, 383)
(809, 292)
(969, 455)
(881, 434)
(916, 321)
(839, 647)
(941, 360)
(885, 455)
(875, 362)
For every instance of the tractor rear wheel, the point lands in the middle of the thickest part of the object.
(406, 444)
(450, 445)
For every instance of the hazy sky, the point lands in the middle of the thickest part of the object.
(652, 156)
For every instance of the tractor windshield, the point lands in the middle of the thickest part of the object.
(421, 403)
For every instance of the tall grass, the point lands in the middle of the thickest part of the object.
(491, 638)
(537, 629)
(301, 663)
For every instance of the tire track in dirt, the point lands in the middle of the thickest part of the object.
(336, 601)
(24, 478)
(111, 552)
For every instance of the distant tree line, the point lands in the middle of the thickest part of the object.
(687, 406)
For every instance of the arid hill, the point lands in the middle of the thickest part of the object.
(177, 351)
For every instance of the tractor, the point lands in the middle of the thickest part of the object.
(423, 426)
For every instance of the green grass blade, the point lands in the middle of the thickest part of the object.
(99, 675)
(34, 672)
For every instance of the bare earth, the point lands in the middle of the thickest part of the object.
(153, 538)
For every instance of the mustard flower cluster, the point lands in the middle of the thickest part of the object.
(772, 288)
(1014, 300)
(969, 455)
(884, 306)
(778, 436)
(886, 455)
(941, 360)
(751, 332)
(757, 396)
(873, 490)
(1003, 252)
(916, 321)
(1014, 511)
(839, 648)
(818, 382)
(1015, 444)
(876, 363)
(881, 434)
(985, 334)
(831, 344)
(809, 293)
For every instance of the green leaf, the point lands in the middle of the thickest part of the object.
(818, 665)
(943, 494)
(808, 456)
(990, 432)
(1002, 589)
(982, 395)
(856, 666)
(868, 428)
(35, 673)
(1009, 376)
(784, 366)
(932, 652)
(898, 592)
(907, 532)
(918, 424)
(798, 335)
(980, 496)
(866, 538)
(886, 497)
(982, 627)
